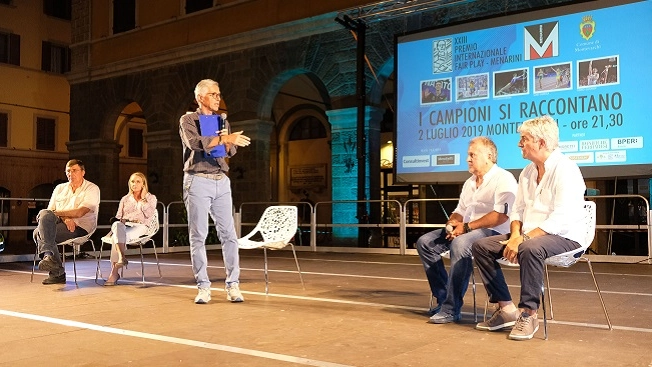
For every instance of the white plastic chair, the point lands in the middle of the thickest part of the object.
(566, 260)
(152, 229)
(277, 226)
(75, 243)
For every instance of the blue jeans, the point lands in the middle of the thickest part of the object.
(204, 196)
(449, 290)
(50, 230)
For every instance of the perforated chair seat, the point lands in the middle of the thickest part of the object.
(277, 226)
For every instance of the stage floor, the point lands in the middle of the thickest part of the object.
(356, 310)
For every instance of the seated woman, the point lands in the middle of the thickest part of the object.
(134, 213)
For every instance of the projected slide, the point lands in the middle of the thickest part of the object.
(591, 70)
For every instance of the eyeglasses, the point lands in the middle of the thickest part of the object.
(524, 139)
(72, 170)
(215, 95)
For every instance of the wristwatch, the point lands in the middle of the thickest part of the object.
(525, 237)
(466, 228)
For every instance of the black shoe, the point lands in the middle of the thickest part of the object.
(61, 279)
(48, 264)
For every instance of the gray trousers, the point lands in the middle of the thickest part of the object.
(50, 230)
(531, 257)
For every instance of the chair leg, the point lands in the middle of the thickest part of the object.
(74, 261)
(597, 288)
(160, 275)
(475, 306)
(265, 269)
(547, 286)
(298, 268)
(31, 279)
(545, 318)
(142, 261)
(98, 270)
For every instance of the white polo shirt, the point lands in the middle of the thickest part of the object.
(496, 193)
(556, 204)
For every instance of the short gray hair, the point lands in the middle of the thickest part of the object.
(542, 128)
(201, 87)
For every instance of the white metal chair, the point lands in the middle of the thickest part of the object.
(75, 243)
(277, 226)
(567, 259)
(152, 229)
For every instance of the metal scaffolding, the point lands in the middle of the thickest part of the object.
(392, 8)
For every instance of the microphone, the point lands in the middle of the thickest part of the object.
(222, 122)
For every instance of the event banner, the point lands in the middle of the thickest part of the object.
(589, 70)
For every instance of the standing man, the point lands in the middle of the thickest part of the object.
(483, 210)
(547, 220)
(207, 190)
(71, 213)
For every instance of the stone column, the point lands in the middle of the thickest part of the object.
(101, 160)
(345, 167)
(164, 164)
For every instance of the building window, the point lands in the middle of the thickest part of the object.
(307, 127)
(61, 9)
(197, 5)
(9, 48)
(4, 129)
(136, 143)
(55, 58)
(124, 15)
(45, 129)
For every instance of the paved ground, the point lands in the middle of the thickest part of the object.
(356, 310)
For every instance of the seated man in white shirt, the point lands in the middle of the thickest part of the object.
(547, 220)
(482, 211)
(71, 213)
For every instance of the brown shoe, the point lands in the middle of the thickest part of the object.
(499, 320)
(525, 327)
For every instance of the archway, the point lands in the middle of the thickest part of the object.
(302, 137)
(129, 132)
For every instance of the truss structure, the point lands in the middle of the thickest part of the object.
(388, 9)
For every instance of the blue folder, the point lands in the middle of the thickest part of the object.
(209, 125)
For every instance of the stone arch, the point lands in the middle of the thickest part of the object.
(270, 92)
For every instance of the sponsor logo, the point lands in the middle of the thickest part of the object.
(587, 27)
(446, 160)
(541, 41)
(611, 156)
(416, 161)
(580, 158)
(568, 146)
(597, 144)
(633, 142)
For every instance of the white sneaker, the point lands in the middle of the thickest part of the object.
(233, 293)
(203, 296)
